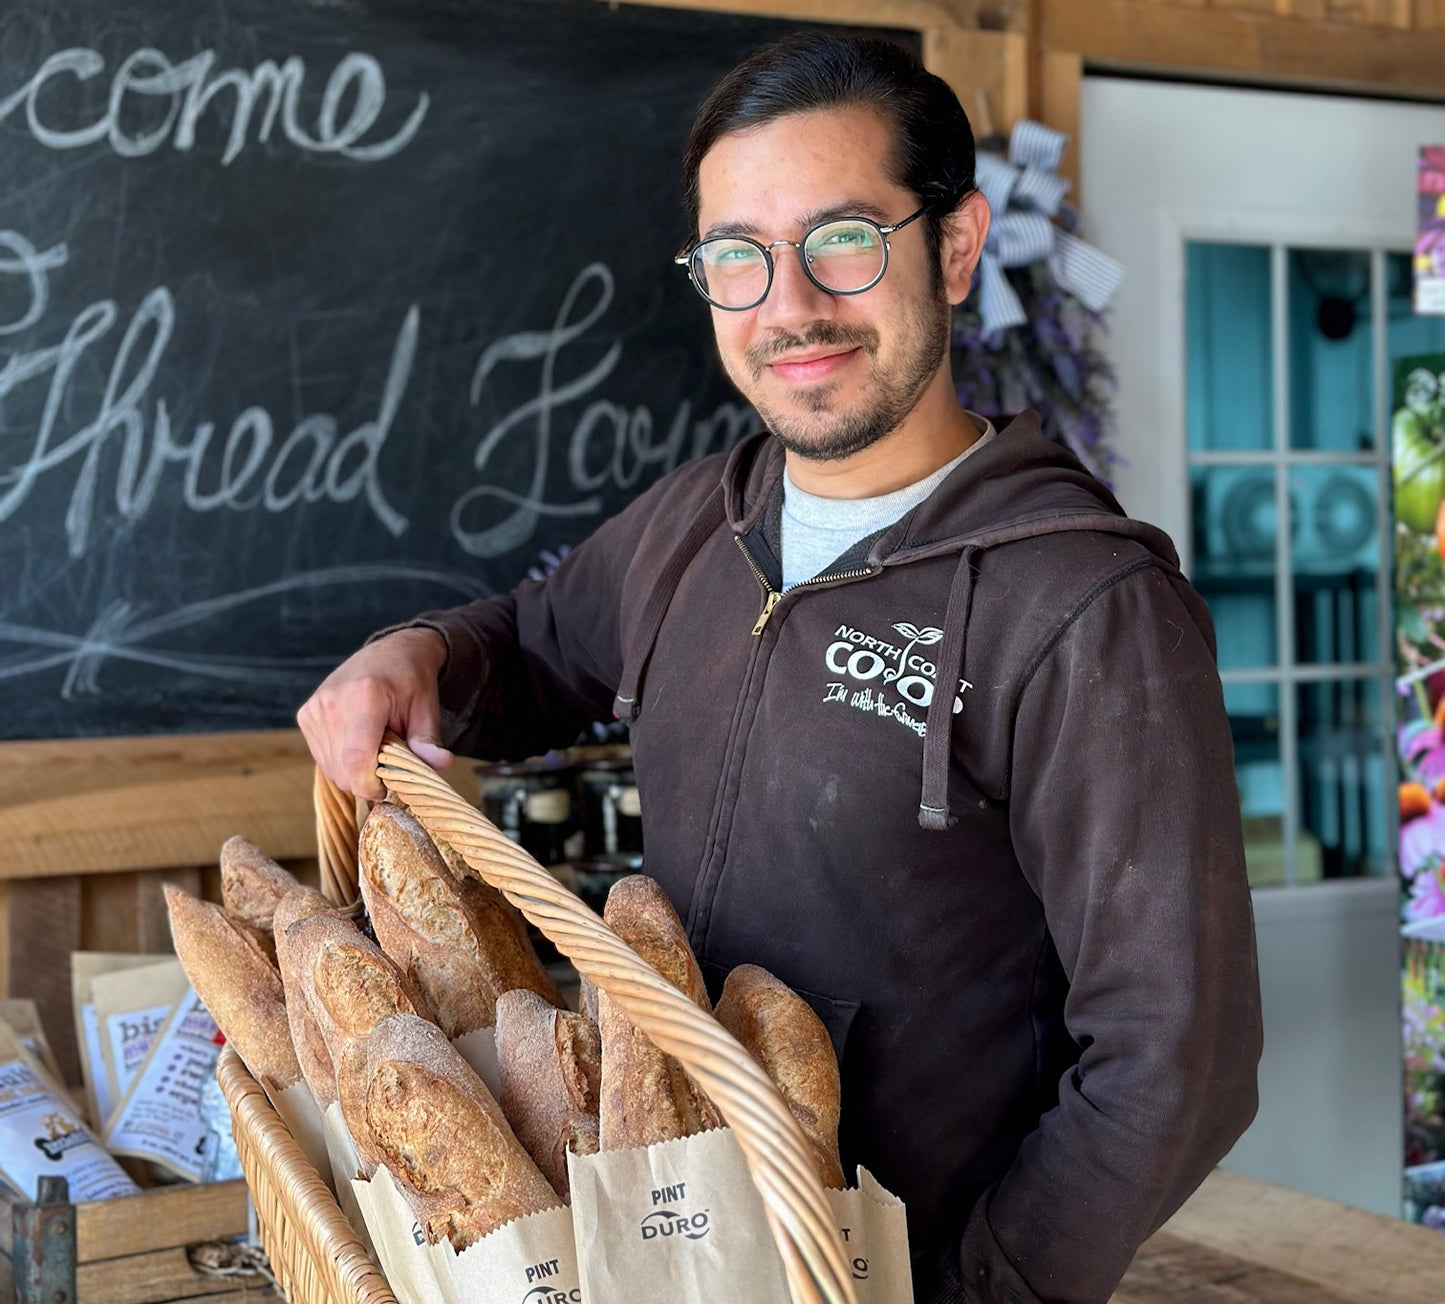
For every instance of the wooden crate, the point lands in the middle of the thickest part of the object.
(132, 1250)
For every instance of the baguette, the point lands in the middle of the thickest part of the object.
(311, 1053)
(443, 1137)
(252, 884)
(458, 938)
(238, 983)
(551, 1065)
(780, 1030)
(647, 1096)
(350, 986)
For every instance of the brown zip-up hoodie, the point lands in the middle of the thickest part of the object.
(971, 793)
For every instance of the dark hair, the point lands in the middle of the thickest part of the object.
(933, 150)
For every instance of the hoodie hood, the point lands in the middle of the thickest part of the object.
(1020, 484)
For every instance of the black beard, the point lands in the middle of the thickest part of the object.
(853, 432)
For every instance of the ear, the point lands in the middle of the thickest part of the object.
(964, 232)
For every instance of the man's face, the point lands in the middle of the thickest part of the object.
(829, 374)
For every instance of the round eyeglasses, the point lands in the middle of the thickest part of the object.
(846, 255)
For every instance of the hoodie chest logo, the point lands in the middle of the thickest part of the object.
(892, 678)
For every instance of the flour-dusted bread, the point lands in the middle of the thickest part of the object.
(252, 884)
(311, 1053)
(551, 1068)
(647, 1096)
(238, 982)
(781, 1031)
(458, 938)
(437, 1128)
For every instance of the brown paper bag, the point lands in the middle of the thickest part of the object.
(531, 1260)
(682, 1223)
(875, 1239)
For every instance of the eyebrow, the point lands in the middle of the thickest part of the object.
(848, 208)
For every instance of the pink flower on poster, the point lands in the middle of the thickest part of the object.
(1427, 893)
(1422, 842)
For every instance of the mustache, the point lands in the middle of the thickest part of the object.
(827, 333)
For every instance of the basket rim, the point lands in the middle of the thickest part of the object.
(326, 1234)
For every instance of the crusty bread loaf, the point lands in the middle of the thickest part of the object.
(238, 983)
(781, 1031)
(458, 938)
(350, 986)
(551, 1067)
(316, 1067)
(252, 884)
(436, 1127)
(647, 1096)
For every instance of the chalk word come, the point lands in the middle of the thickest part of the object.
(181, 93)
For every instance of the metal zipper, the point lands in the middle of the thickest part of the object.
(773, 597)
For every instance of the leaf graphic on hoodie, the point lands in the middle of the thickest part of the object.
(916, 637)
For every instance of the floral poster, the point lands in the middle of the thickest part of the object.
(1430, 230)
(1418, 456)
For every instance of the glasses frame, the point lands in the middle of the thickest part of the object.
(686, 257)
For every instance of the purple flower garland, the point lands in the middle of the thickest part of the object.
(1053, 364)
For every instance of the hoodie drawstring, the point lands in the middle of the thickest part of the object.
(709, 516)
(933, 812)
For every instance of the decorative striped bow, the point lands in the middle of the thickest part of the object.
(1024, 193)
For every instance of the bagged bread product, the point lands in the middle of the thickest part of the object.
(551, 1067)
(100, 1092)
(647, 1096)
(41, 1134)
(350, 986)
(22, 1016)
(132, 1006)
(780, 1030)
(160, 1119)
(252, 884)
(443, 1137)
(237, 982)
(457, 937)
(306, 1039)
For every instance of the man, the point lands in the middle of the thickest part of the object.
(922, 723)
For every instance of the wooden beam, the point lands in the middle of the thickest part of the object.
(989, 72)
(101, 804)
(1245, 44)
(1001, 15)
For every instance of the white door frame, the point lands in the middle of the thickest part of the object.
(1164, 164)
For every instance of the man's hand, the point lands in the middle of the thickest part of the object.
(389, 684)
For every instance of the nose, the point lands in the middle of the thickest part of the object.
(793, 300)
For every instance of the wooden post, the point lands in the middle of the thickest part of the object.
(1061, 82)
(988, 71)
(44, 928)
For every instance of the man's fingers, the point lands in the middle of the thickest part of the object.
(432, 753)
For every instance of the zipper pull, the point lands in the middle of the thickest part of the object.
(773, 599)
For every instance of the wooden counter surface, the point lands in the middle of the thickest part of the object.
(1242, 1241)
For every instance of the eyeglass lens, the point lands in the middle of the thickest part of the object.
(844, 256)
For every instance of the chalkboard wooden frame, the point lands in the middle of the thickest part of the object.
(96, 805)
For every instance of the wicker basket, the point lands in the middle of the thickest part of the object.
(316, 1256)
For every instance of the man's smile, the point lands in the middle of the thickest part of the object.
(802, 369)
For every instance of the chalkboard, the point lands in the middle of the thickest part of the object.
(316, 315)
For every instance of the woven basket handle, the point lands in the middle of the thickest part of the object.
(337, 834)
(777, 1155)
